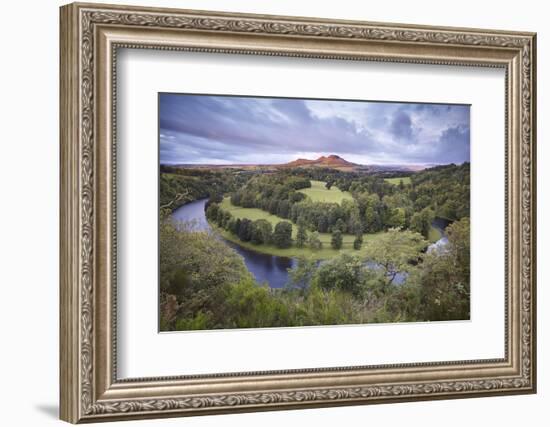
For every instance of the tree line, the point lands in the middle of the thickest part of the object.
(261, 231)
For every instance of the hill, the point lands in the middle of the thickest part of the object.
(333, 161)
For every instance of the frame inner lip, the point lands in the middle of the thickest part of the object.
(342, 370)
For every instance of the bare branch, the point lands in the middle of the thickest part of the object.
(178, 197)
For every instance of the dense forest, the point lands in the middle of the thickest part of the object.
(205, 284)
(376, 206)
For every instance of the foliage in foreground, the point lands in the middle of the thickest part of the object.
(205, 284)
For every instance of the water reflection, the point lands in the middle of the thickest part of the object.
(266, 268)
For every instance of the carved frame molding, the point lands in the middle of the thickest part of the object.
(90, 36)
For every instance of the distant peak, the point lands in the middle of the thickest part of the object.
(332, 160)
(330, 157)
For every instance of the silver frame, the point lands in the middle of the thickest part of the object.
(90, 37)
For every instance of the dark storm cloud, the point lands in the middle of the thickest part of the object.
(223, 129)
(452, 143)
(401, 126)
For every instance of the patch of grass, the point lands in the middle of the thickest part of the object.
(395, 181)
(253, 214)
(319, 193)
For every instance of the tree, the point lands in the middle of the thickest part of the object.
(227, 217)
(236, 198)
(220, 217)
(342, 273)
(372, 204)
(448, 210)
(296, 197)
(273, 206)
(322, 223)
(261, 231)
(421, 222)
(422, 202)
(232, 226)
(245, 230)
(354, 222)
(459, 242)
(356, 228)
(282, 236)
(301, 274)
(336, 239)
(396, 251)
(283, 209)
(396, 218)
(328, 185)
(370, 219)
(445, 277)
(358, 242)
(314, 241)
(212, 211)
(247, 199)
(216, 198)
(301, 235)
(340, 225)
(196, 268)
(237, 226)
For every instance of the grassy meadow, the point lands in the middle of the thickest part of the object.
(254, 214)
(395, 181)
(325, 253)
(319, 193)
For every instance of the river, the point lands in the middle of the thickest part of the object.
(272, 269)
(265, 268)
(440, 224)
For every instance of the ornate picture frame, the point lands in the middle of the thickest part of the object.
(90, 37)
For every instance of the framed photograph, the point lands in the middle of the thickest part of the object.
(266, 212)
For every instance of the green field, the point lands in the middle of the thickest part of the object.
(319, 193)
(395, 181)
(252, 214)
(324, 253)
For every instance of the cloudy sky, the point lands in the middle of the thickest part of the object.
(230, 129)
